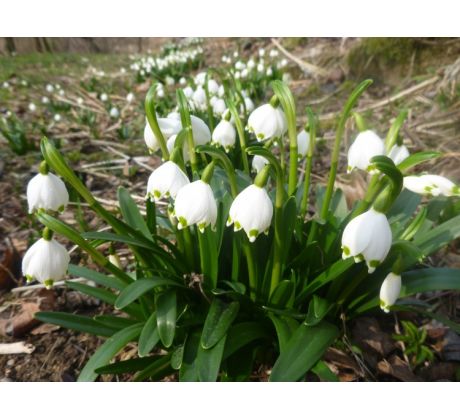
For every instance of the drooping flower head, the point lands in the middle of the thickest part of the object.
(434, 185)
(366, 146)
(166, 181)
(389, 291)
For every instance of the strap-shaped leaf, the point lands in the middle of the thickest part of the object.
(99, 278)
(166, 316)
(188, 371)
(149, 337)
(416, 159)
(131, 212)
(96, 292)
(220, 317)
(126, 366)
(139, 288)
(76, 322)
(317, 310)
(116, 322)
(209, 360)
(283, 294)
(108, 350)
(157, 370)
(303, 351)
(239, 335)
(285, 328)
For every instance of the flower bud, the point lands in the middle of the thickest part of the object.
(46, 261)
(367, 237)
(258, 163)
(195, 204)
(398, 153)
(251, 210)
(45, 191)
(364, 148)
(267, 122)
(224, 135)
(166, 181)
(389, 291)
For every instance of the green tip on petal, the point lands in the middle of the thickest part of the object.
(156, 194)
(253, 233)
(29, 278)
(201, 227)
(48, 283)
(346, 250)
(260, 136)
(61, 209)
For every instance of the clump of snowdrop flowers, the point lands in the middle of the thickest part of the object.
(389, 291)
(252, 209)
(366, 145)
(267, 121)
(367, 237)
(166, 181)
(45, 191)
(46, 261)
(433, 185)
(195, 203)
(224, 134)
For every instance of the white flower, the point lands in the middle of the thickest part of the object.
(46, 261)
(169, 81)
(252, 210)
(57, 117)
(115, 260)
(201, 132)
(166, 181)
(261, 52)
(389, 291)
(45, 100)
(269, 72)
(431, 184)
(398, 153)
(267, 122)
(183, 81)
(172, 142)
(249, 104)
(273, 53)
(303, 143)
(219, 106)
(213, 87)
(47, 192)
(104, 97)
(32, 107)
(251, 64)
(260, 68)
(188, 92)
(129, 97)
(195, 204)
(199, 98)
(258, 162)
(367, 237)
(200, 78)
(168, 127)
(364, 148)
(224, 134)
(221, 91)
(114, 113)
(80, 101)
(61, 92)
(49, 88)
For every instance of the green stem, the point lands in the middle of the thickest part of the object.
(336, 150)
(189, 248)
(308, 168)
(208, 104)
(187, 125)
(372, 189)
(241, 134)
(393, 132)
(252, 268)
(153, 122)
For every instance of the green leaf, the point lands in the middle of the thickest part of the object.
(177, 357)
(166, 316)
(139, 288)
(157, 370)
(218, 321)
(416, 159)
(303, 351)
(209, 360)
(242, 334)
(285, 328)
(101, 279)
(149, 337)
(208, 257)
(324, 373)
(318, 308)
(96, 292)
(115, 322)
(131, 212)
(126, 366)
(107, 351)
(289, 218)
(282, 296)
(188, 370)
(75, 322)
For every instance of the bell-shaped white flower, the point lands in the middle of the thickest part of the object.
(389, 291)
(195, 204)
(249, 104)
(431, 185)
(218, 106)
(267, 122)
(46, 192)
(367, 145)
(303, 143)
(367, 237)
(398, 153)
(252, 210)
(224, 135)
(188, 92)
(46, 261)
(168, 127)
(166, 181)
(199, 98)
(258, 163)
(213, 87)
(201, 132)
